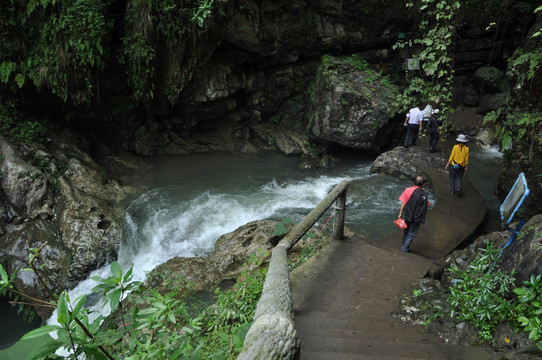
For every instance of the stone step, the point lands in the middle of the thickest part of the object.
(338, 335)
(383, 349)
(336, 325)
(311, 355)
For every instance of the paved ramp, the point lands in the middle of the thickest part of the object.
(344, 299)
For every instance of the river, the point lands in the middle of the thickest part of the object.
(192, 200)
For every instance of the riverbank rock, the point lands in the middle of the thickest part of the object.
(57, 199)
(351, 104)
(402, 163)
(426, 302)
(231, 255)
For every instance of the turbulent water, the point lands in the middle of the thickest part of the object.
(192, 200)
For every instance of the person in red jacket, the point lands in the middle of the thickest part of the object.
(413, 210)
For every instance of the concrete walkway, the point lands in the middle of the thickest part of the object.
(344, 299)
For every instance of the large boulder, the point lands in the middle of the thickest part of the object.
(351, 105)
(231, 251)
(403, 163)
(230, 256)
(24, 185)
(490, 80)
(66, 207)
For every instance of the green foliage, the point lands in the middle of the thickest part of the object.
(522, 130)
(168, 324)
(203, 12)
(151, 25)
(19, 130)
(283, 227)
(313, 150)
(523, 66)
(357, 62)
(518, 124)
(138, 49)
(484, 296)
(481, 294)
(529, 308)
(65, 47)
(433, 83)
(55, 45)
(275, 119)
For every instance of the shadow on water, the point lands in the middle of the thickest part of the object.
(13, 327)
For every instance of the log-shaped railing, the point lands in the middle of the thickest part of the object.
(273, 335)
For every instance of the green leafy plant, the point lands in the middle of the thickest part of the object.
(146, 323)
(357, 61)
(19, 130)
(55, 45)
(283, 227)
(529, 308)
(481, 293)
(433, 82)
(511, 125)
(203, 11)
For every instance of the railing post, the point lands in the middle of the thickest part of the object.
(340, 208)
(272, 335)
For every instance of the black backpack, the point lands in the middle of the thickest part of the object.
(416, 207)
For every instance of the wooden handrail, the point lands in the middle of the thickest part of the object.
(273, 335)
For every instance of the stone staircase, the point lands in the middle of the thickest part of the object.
(345, 297)
(342, 318)
(327, 335)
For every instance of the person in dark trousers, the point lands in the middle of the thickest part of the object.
(413, 210)
(413, 123)
(457, 164)
(434, 132)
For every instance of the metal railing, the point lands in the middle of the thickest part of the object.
(273, 334)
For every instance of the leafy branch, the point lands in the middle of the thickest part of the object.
(434, 49)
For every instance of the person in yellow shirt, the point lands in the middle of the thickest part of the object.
(457, 164)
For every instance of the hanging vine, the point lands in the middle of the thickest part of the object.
(433, 52)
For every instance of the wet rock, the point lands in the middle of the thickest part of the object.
(489, 79)
(230, 256)
(351, 107)
(25, 186)
(400, 162)
(225, 262)
(66, 205)
(486, 137)
(492, 102)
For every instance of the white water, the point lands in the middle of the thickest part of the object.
(195, 199)
(184, 216)
(194, 203)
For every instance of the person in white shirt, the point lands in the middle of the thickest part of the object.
(426, 115)
(413, 122)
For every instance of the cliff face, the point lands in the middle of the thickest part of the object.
(250, 72)
(58, 204)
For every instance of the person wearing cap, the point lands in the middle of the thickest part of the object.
(427, 111)
(413, 122)
(413, 209)
(457, 164)
(434, 132)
